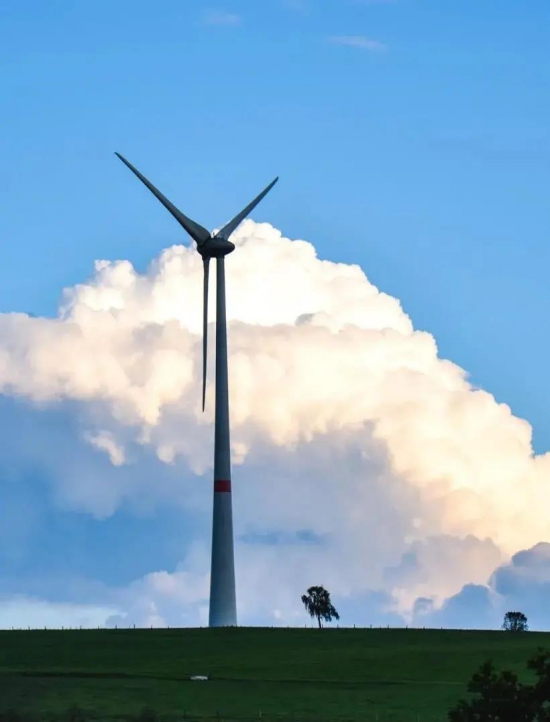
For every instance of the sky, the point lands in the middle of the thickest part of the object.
(388, 306)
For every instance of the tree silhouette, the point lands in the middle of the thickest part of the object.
(515, 622)
(500, 696)
(317, 603)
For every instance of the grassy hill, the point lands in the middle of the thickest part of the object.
(313, 675)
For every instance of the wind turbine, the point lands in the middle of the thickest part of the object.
(223, 607)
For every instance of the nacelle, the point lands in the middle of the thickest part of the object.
(216, 248)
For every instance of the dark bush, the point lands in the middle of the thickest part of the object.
(501, 697)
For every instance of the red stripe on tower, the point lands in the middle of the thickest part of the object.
(221, 486)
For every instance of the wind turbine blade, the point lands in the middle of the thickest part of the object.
(206, 267)
(195, 230)
(227, 230)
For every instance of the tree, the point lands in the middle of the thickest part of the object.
(515, 622)
(317, 603)
(501, 696)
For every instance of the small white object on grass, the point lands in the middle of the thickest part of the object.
(199, 678)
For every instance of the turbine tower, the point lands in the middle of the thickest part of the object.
(223, 607)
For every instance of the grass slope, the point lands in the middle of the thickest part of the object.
(321, 675)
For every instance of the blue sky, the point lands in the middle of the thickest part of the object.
(411, 137)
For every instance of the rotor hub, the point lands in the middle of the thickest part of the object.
(216, 248)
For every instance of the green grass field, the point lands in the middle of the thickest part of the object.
(313, 675)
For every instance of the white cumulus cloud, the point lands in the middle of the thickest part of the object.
(346, 424)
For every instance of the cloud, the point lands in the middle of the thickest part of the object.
(362, 460)
(476, 606)
(413, 576)
(222, 17)
(162, 599)
(522, 584)
(358, 41)
(180, 598)
(22, 612)
(104, 441)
